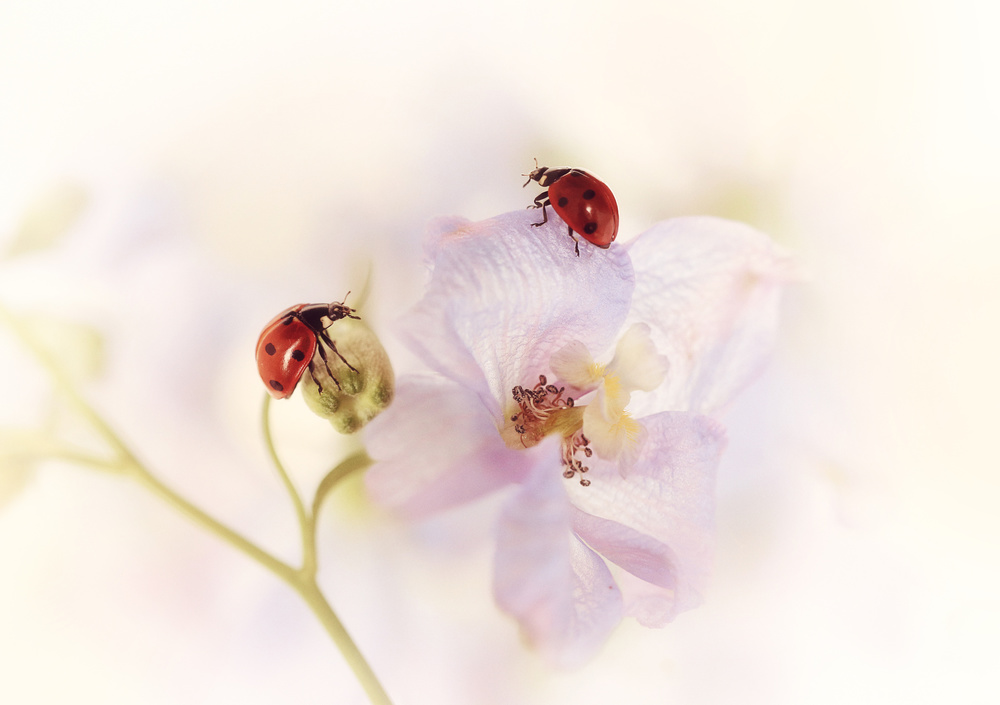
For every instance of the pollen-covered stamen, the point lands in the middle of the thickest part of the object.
(577, 443)
(537, 407)
(544, 411)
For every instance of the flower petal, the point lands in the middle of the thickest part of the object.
(574, 366)
(505, 295)
(709, 289)
(436, 446)
(668, 496)
(560, 591)
(648, 559)
(613, 434)
(636, 362)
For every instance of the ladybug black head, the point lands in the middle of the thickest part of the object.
(336, 311)
(546, 176)
(537, 175)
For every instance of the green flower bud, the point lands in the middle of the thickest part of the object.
(351, 393)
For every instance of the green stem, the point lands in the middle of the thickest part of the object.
(305, 521)
(203, 519)
(66, 386)
(38, 446)
(303, 580)
(314, 597)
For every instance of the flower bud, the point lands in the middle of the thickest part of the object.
(348, 397)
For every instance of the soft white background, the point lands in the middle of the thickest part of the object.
(237, 157)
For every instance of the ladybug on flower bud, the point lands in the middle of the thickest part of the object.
(288, 345)
(584, 202)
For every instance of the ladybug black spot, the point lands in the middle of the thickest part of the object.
(270, 349)
(588, 194)
(276, 385)
(590, 228)
(287, 321)
(298, 355)
(563, 201)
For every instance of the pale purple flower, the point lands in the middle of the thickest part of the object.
(609, 512)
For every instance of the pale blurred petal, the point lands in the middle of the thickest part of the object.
(651, 605)
(20, 450)
(503, 296)
(559, 590)
(435, 447)
(49, 219)
(709, 289)
(668, 496)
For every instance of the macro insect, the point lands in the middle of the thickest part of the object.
(287, 346)
(584, 202)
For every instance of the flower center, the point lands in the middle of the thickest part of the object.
(543, 411)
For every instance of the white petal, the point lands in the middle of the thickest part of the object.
(668, 496)
(558, 589)
(636, 362)
(503, 296)
(573, 365)
(610, 401)
(613, 434)
(436, 446)
(709, 289)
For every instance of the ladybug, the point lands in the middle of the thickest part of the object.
(584, 202)
(288, 343)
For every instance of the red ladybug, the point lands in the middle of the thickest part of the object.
(583, 201)
(288, 343)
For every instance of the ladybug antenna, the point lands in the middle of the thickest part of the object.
(350, 311)
(532, 174)
(529, 175)
(337, 310)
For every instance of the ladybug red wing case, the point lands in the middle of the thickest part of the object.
(284, 350)
(584, 202)
(287, 344)
(587, 206)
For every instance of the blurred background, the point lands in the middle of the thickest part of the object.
(172, 175)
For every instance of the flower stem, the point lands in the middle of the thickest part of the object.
(210, 524)
(302, 580)
(305, 521)
(313, 596)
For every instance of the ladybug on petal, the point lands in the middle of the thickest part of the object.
(584, 202)
(288, 344)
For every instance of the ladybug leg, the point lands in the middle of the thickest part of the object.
(312, 371)
(326, 363)
(333, 346)
(576, 242)
(541, 201)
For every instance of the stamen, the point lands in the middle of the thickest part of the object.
(571, 446)
(541, 407)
